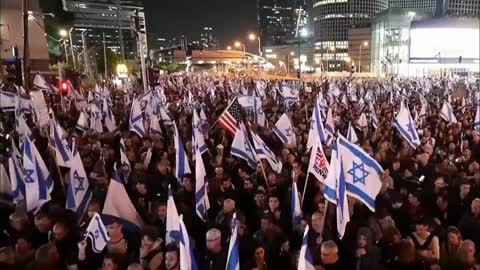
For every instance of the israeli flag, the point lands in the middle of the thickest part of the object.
(8, 101)
(16, 177)
(373, 116)
(241, 147)
(21, 125)
(181, 161)
(173, 221)
(203, 118)
(164, 117)
(406, 126)
(201, 199)
(36, 189)
(253, 105)
(136, 120)
(263, 151)
(40, 83)
(284, 130)
(447, 113)
(305, 259)
(109, 118)
(123, 157)
(295, 205)
(336, 188)
(360, 172)
(118, 204)
(82, 122)
(198, 139)
(59, 144)
(330, 125)
(351, 135)
(362, 121)
(97, 233)
(233, 258)
(187, 257)
(316, 127)
(290, 96)
(5, 184)
(96, 118)
(476, 123)
(78, 192)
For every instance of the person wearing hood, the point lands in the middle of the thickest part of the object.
(367, 255)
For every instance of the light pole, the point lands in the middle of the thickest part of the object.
(64, 34)
(71, 49)
(252, 38)
(237, 44)
(365, 44)
(303, 33)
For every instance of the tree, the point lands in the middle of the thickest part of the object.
(112, 60)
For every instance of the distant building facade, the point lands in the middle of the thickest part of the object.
(207, 39)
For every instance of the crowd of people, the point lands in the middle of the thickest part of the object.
(427, 214)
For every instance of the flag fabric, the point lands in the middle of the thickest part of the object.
(118, 204)
(253, 105)
(96, 118)
(295, 205)
(362, 121)
(360, 172)
(40, 83)
(318, 164)
(36, 190)
(316, 127)
(198, 139)
(173, 221)
(155, 125)
(330, 125)
(16, 177)
(78, 192)
(181, 161)
(59, 144)
(406, 126)
(166, 120)
(187, 257)
(263, 151)
(82, 122)
(97, 233)
(305, 259)
(136, 119)
(284, 130)
(351, 135)
(8, 101)
(242, 148)
(21, 125)
(231, 117)
(476, 123)
(201, 199)
(447, 113)
(110, 123)
(233, 257)
(373, 116)
(5, 184)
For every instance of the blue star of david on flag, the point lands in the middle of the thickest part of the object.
(28, 176)
(361, 176)
(79, 180)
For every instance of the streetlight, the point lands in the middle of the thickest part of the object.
(63, 33)
(364, 44)
(303, 33)
(238, 44)
(229, 48)
(252, 37)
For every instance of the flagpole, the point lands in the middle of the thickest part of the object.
(304, 190)
(58, 171)
(265, 175)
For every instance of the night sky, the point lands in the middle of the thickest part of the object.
(230, 19)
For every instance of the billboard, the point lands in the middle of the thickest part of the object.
(444, 43)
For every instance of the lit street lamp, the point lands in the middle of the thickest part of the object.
(252, 37)
(303, 33)
(229, 48)
(364, 44)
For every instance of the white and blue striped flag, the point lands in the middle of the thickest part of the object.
(187, 257)
(79, 192)
(284, 130)
(155, 125)
(305, 259)
(361, 173)
(21, 125)
(82, 122)
(233, 258)
(118, 204)
(109, 118)
(447, 113)
(330, 126)
(406, 126)
(242, 148)
(124, 158)
(36, 188)
(16, 177)
(96, 118)
(316, 127)
(136, 119)
(351, 134)
(173, 221)
(197, 134)
(476, 123)
(181, 161)
(295, 204)
(59, 144)
(263, 151)
(97, 233)
(201, 198)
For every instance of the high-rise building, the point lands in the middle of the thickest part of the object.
(109, 18)
(207, 39)
(332, 20)
(439, 7)
(414, 5)
(276, 20)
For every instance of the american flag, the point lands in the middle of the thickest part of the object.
(230, 117)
